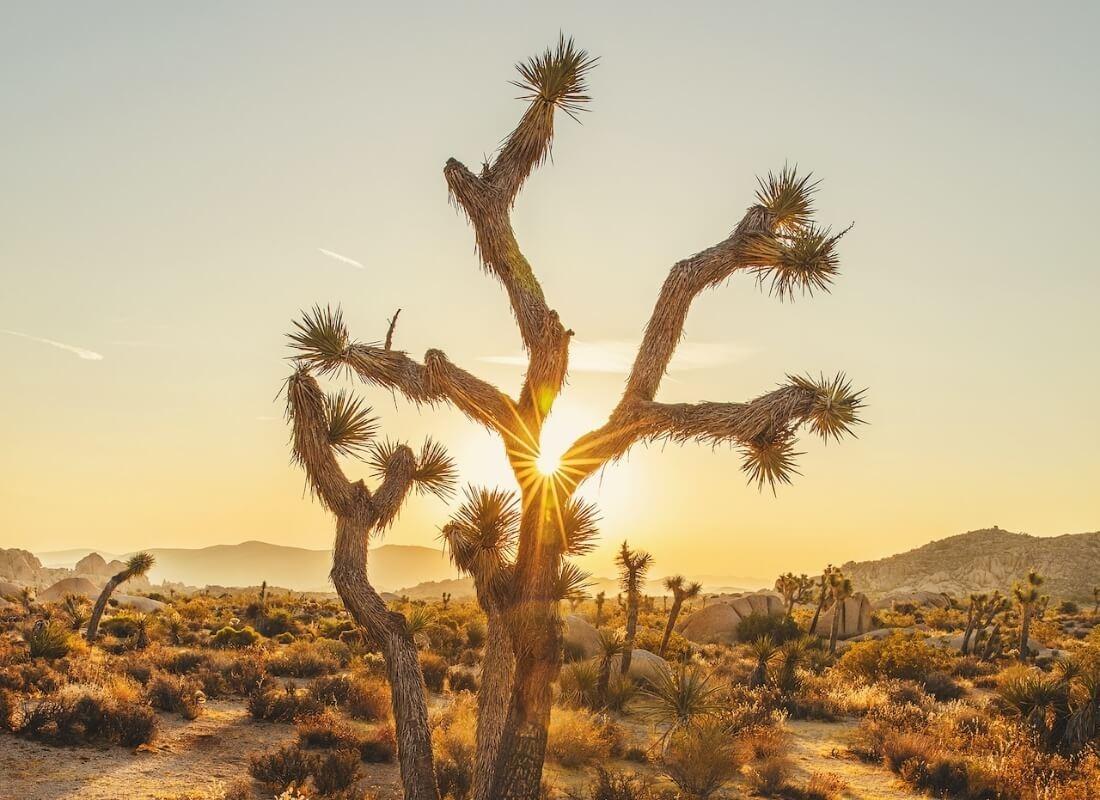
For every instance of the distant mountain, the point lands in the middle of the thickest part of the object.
(248, 564)
(463, 588)
(985, 560)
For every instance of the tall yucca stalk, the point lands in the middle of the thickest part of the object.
(840, 589)
(1027, 596)
(777, 241)
(633, 566)
(324, 426)
(136, 565)
(681, 591)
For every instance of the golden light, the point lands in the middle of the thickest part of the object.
(548, 463)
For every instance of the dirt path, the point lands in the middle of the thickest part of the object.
(823, 747)
(187, 757)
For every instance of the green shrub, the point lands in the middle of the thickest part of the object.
(282, 705)
(435, 669)
(278, 769)
(49, 640)
(756, 626)
(700, 760)
(236, 638)
(897, 656)
(176, 694)
(303, 660)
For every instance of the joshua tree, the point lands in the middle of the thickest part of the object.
(794, 589)
(822, 596)
(840, 589)
(1027, 595)
(1096, 598)
(601, 598)
(446, 600)
(790, 657)
(323, 427)
(26, 598)
(978, 601)
(776, 241)
(611, 645)
(481, 539)
(76, 609)
(633, 566)
(138, 564)
(681, 591)
(998, 604)
(763, 651)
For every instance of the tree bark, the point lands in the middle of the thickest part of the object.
(817, 613)
(497, 669)
(1025, 629)
(675, 612)
(631, 631)
(388, 631)
(834, 630)
(965, 649)
(100, 606)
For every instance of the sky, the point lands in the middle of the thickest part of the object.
(177, 181)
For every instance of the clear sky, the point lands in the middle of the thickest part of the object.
(170, 176)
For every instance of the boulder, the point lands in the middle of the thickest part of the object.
(581, 636)
(19, 565)
(11, 590)
(92, 564)
(146, 605)
(855, 618)
(644, 665)
(717, 622)
(78, 586)
(916, 598)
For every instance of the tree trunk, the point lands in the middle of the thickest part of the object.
(1025, 628)
(834, 630)
(536, 628)
(965, 649)
(100, 606)
(388, 631)
(497, 669)
(817, 614)
(675, 612)
(631, 631)
(992, 642)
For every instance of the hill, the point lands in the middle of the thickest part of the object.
(985, 560)
(391, 566)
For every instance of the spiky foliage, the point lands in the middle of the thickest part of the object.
(579, 526)
(791, 655)
(351, 428)
(679, 698)
(681, 591)
(418, 618)
(557, 77)
(137, 564)
(1027, 594)
(788, 197)
(835, 408)
(320, 339)
(481, 536)
(76, 609)
(762, 651)
(633, 566)
(435, 472)
(571, 582)
(794, 588)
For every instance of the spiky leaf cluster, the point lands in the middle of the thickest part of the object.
(320, 339)
(351, 428)
(557, 77)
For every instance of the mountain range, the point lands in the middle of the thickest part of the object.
(985, 560)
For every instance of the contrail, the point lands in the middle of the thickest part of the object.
(87, 355)
(340, 258)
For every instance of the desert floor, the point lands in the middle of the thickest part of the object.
(196, 759)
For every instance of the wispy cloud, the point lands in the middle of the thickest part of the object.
(342, 259)
(87, 355)
(616, 356)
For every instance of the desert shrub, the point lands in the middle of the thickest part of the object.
(74, 714)
(621, 692)
(945, 619)
(770, 776)
(1068, 607)
(9, 710)
(824, 786)
(462, 680)
(49, 640)
(700, 760)
(469, 657)
(576, 738)
(336, 771)
(282, 704)
(896, 656)
(379, 745)
(756, 626)
(476, 633)
(230, 637)
(650, 639)
(278, 769)
(181, 662)
(325, 730)
(176, 694)
(276, 622)
(609, 785)
(454, 744)
(943, 687)
(435, 669)
(579, 681)
(899, 747)
(331, 628)
(303, 660)
(122, 626)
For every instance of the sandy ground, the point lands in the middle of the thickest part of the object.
(194, 759)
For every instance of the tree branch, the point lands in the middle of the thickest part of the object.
(398, 479)
(307, 411)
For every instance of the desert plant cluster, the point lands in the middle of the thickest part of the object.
(704, 720)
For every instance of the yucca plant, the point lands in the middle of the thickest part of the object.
(678, 698)
(978, 601)
(75, 608)
(324, 427)
(822, 596)
(681, 591)
(794, 589)
(776, 241)
(1027, 596)
(633, 567)
(840, 589)
(791, 655)
(137, 564)
(47, 640)
(762, 651)
(611, 644)
(599, 600)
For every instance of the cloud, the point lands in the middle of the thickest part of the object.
(616, 356)
(340, 258)
(87, 355)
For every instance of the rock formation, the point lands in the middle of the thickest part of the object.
(855, 618)
(717, 621)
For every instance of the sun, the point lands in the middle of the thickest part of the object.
(548, 463)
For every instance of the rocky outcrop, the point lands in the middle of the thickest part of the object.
(92, 564)
(581, 637)
(82, 587)
(644, 665)
(855, 618)
(146, 605)
(19, 566)
(10, 590)
(915, 599)
(716, 623)
(985, 560)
